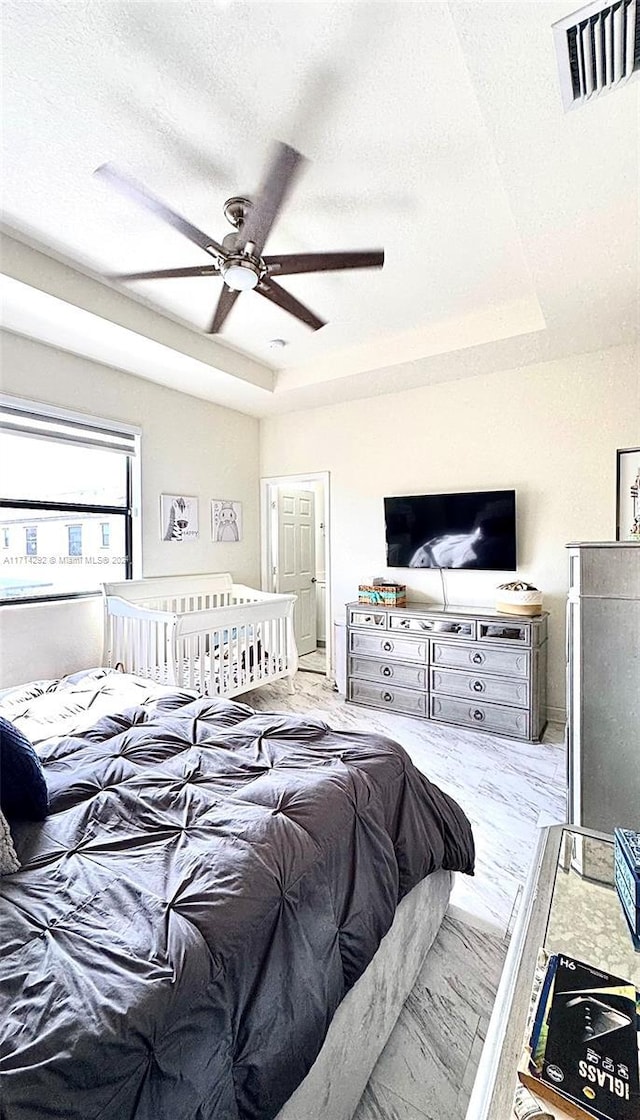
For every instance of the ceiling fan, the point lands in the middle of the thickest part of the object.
(239, 260)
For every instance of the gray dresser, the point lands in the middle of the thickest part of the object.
(463, 665)
(603, 685)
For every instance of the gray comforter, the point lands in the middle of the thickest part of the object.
(208, 885)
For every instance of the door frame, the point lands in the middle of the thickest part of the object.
(267, 487)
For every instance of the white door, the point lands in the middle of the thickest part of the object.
(296, 564)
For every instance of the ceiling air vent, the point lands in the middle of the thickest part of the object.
(598, 49)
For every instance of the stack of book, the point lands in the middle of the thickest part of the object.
(627, 878)
(581, 1053)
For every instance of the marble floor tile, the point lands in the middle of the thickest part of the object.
(470, 1072)
(426, 1056)
(508, 789)
(426, 1059)
(314, 662)
(379, 1103)
(467, 961)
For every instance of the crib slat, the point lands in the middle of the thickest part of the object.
(265, 648)
(220, 654)
(244, 664)
(224, 648)
(157, 651)
(201, 643)
(232, 668)
(188, 650)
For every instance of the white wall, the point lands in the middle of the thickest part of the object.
(189, 446)
(550, 431)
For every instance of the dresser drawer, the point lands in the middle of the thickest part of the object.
(385, 646)
(506, 662)
(457, 628)
(385, 696)
(498, 690)
(375, 620)
(389, 672)
(491, 717)
(515, 632)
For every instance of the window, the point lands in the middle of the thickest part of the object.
(74, 533)
(69, 491)
(31, 540)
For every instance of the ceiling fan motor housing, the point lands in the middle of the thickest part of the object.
(241, 272)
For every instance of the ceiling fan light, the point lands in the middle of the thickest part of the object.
(239, 276)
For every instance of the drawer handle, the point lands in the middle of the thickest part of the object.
(478, 658)
(425, 625)
(388, 696)
(387, 646)
(405, 622)
(386, 672)
(478, 686)
(478, 715)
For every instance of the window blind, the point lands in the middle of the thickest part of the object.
(45, 423)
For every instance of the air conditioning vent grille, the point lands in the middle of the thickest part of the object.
(598, 49)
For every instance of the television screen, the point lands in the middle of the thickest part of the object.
(475, 530)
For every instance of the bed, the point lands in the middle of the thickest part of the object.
(204, 632)
(206, 925)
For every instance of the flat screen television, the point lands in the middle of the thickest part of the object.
(472, 530)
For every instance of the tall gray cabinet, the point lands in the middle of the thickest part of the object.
(603, 685)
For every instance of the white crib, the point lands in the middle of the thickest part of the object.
(204, 632)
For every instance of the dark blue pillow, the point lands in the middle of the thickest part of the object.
(23, 790)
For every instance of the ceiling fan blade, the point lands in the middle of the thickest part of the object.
(167, 273)
(135, 191)
(228, 297)
(289, 303)
(324, 262)
(278, 181)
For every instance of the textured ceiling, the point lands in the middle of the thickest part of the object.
(433, 130)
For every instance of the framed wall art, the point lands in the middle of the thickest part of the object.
(226, 520)
(627, 494)
(178, 518)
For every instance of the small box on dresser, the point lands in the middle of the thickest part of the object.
(387, 594)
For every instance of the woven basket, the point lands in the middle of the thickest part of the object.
(519, 602)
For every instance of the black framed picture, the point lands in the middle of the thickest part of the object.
(627, 494)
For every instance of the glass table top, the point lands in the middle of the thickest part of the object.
(585, 918)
